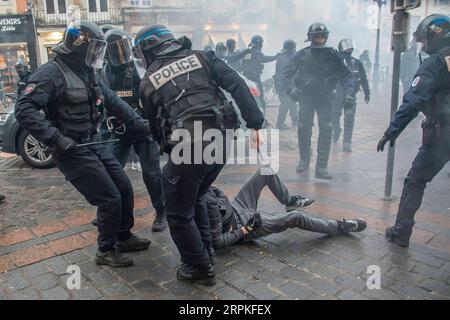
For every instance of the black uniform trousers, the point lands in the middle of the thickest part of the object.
(427, 164)
(309, 105)
(100, 178)
(148, 151)
(349, 118)
(184, 184)
(286, 105)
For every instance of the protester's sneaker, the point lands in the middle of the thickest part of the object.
(136, 165)
(112, 258)
(193, 274)
(351, 225)
(160, 222)
(323, 174)
(134, 243)
(302, 166)
(298, 202)
(395, 235)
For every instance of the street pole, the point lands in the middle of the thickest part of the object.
(376, 66)
(399, 35)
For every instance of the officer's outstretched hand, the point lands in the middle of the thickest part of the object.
(254, 222)
(65, 144)
(349, 102)
(367, 98)
(383, 141)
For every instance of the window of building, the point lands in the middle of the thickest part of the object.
(56, 6)
(98, 5)
(141, 3)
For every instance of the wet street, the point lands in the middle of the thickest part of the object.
(45, 227)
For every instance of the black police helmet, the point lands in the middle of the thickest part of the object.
(151, 37)
(77, 35)
(317, 28)
(289, 45)
(433, 32)
(115, 35)
(256, 41)
(106, 27)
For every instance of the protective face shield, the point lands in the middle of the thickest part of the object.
(347, 45)
(120, 52)
(95, 53)
(433, 32)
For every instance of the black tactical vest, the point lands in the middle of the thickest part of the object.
(318, 70)
(125, 83)
(185, 85)
(352, 64)
(73, 112)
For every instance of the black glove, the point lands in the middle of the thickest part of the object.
(383, 141)
(65, 144)
(367, 98)
(349, 101)
(295, 93)
(254, 222)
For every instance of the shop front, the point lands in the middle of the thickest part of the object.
(17, 43)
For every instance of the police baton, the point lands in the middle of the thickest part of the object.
(95, 143)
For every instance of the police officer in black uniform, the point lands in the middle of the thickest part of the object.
(283, 63)
(253, 64)
(359, 77)
(121, 76)
(181, 87)
(24, 73)
(429, 94)
(234, 57)
(312, 79)
(69, 91)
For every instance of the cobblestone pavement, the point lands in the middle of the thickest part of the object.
(45, 227)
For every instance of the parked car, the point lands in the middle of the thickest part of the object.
(17, 140)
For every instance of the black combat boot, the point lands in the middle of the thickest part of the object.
(160, 222)
(352, 225)
(322, 173)
(302, 166)
(298, 202)
(2, 198)
(347, 147)
(134, 243)
(398, 235)
(203, 275)
(112, 258)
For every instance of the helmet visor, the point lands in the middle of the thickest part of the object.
(139, 61)
(120, 52)
(346, 45)
(150, 42)
(95, 53)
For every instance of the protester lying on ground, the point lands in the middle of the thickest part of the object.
(238, 220)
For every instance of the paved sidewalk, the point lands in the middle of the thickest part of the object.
(45, 227)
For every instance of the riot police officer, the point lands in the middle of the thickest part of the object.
(359, 77)
(121, 76)
(69, 91)
(312, 79)
(283, 63)
(24, 73)
(253, 64)
(180, 90)
(430, 94)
